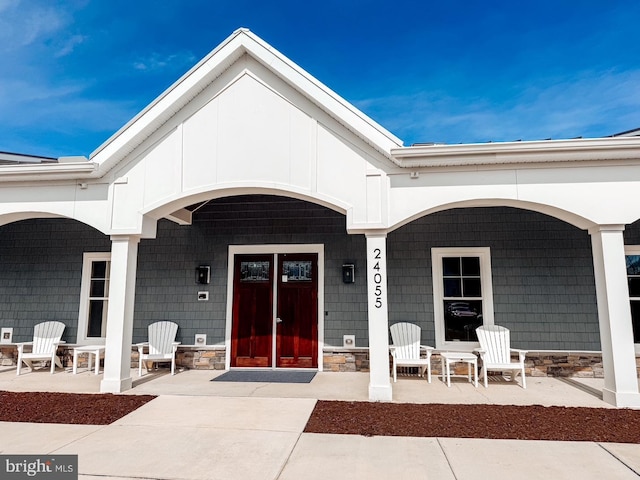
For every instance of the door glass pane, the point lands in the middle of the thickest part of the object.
(461, 318)
(254, 271)
(299, 271)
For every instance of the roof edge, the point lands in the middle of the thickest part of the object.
(47, 171)
(540, 151)
(240, 42)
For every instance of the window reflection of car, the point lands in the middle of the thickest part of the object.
(461, 322)
(461, 310)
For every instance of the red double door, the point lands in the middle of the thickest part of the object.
(290, 282)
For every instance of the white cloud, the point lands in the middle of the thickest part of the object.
(38, 104)
(6, 4)
(69, 45)
(588, 104)
(156, 61)
(23, 23)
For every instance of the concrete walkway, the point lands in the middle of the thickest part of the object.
(197, 429)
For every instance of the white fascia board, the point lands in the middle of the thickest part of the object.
(207, 70)
(46, 171)
(546, 151)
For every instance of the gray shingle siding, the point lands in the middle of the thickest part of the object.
(166, 288)
(542, 270)
(41, 273)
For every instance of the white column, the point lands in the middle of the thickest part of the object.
(614, 313)
(379, 381)
(117, 360)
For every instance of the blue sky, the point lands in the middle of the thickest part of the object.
(73, 72)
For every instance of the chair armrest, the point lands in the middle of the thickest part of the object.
(480, 352)
(21, 345)
(521, 353)
(175, 346)
(141, 346)
(428, 349)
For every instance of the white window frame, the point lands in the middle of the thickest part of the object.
(85, 289)
(437, 254)
(632, 250)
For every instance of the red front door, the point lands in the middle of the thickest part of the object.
(252, 319)
(296, 321)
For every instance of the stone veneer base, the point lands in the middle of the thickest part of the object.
(538, 364)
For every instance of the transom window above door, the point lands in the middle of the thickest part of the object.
(462, 295)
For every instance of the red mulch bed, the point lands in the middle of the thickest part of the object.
(364, 418)
(476, 421)
(71, 408)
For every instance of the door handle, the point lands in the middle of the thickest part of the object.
(278, 320)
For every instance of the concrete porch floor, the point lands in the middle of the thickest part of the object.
(579, 392)
(198, 429)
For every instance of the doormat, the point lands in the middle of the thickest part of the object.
(266, 376)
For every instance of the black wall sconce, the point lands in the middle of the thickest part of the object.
(348, 273)
(203, 274)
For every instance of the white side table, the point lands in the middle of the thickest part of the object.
(454, 357)
(95, 350)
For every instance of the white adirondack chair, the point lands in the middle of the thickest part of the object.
(406, 349)
(46, 338)
(161, 346)
(495, 352)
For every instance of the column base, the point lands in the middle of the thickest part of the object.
(621, 399)
(380, 393)
(116, 386)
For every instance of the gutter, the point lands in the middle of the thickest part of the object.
(66, 168)
(545, 151)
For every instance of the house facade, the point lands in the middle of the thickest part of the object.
(251, 204)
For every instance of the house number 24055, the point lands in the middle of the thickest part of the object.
(377, 278)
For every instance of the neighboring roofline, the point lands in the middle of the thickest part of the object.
(543, 151)
(241, 42)
(20, 158)
(628, 133)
